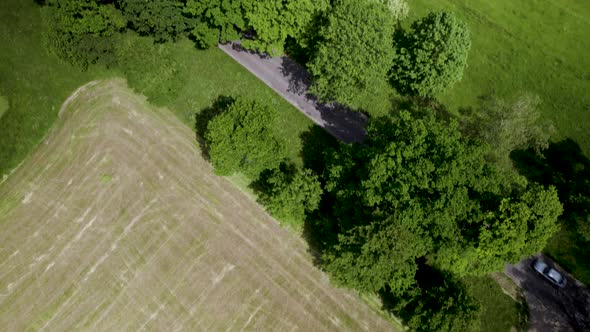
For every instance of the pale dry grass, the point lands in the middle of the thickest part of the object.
(117, 223)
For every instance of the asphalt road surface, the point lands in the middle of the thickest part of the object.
(552, 308)
(292, 81)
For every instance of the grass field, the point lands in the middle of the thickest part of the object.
(117, 223)
(538, 46)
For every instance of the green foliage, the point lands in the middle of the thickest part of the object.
(275, 20)
(162, 19)
(371, 257)
(151, 69)
(566, 167)
(80, 32)
(418, 189)
(438, 302)
(219, 20)
(354, 52)
(243, 139)
(430, 58)
(507, 126)
(518, 228)
(291, 192)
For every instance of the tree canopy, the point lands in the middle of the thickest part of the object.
(290, 192)
(162, 19)
(507, 125)
(354, 50)
(430, 57)
(80, 31)
(217, 20)
(417, 188)
(274, 20)
(242, 139)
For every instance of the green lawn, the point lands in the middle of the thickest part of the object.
(499, 311)
(538, 46)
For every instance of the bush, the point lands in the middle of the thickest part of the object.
(242, 139)
(290, 192)
(81, 32)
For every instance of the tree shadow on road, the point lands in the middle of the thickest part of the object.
(341, 121)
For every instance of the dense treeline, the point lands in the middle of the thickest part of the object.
(426, 200)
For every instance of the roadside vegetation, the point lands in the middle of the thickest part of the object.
(433, 198)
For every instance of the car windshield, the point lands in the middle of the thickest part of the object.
(555, 275)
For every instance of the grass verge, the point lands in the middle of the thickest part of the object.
(500, 312)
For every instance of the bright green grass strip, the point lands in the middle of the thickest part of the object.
(499, 311)
(538, 46)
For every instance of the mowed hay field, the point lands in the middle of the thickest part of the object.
(116, 223)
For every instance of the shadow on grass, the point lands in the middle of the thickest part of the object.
(204, 116)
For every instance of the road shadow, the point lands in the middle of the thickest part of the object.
(203, 117)
(237, 46)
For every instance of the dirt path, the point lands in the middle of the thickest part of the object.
(291, 81)
(552, 308)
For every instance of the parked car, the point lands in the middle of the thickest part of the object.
(549, 273)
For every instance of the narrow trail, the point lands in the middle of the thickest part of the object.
(291, 81)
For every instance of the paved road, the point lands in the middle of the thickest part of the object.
(552, 308)
(291, 81)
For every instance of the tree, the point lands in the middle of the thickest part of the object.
(431, 57)
(275, 20)
(507, 126)
(162, 19)
(218, 20)
(519, 227)
(291, 192)
(354, 51)
(242, 139)
(81, 32)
